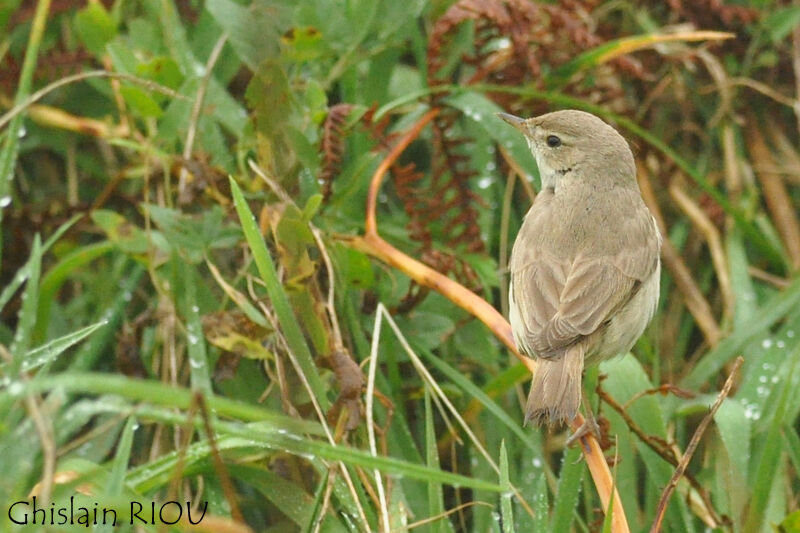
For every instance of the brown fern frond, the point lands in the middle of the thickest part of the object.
(713, 13)
(332, 145)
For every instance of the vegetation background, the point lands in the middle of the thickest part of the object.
(143, 310)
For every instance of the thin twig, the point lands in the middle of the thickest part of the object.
(373, 360)
(197, 107)
(757, 86)
(700, 220)
(44, 91)
(779, 203)
(690, 449)
(777, 281)
(663, 451)
(696, 303)
(445, 514)
(219, 465)
(796, 68)
(44, 430)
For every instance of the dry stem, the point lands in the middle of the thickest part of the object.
(698, 434)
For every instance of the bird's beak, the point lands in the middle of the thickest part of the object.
(517, 122)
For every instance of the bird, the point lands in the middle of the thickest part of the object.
(585, 265)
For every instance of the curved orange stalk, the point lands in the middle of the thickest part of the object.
(372, 244)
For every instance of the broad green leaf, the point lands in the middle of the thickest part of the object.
(95, 27)
(781, 21)
(733, 425)
(253, 31)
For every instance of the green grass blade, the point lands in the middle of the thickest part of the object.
(772, 310)
(768, 462)
(476, 392)
(119, 466)
(56, 276)
(506, 511)
(316, 507)
(24, 272)
(541, 507)
(435, 494)
(195, 340)
(280, 302)
(10, 149)
(27, 314)
(569, 486)
(95, 347)
(158, 472)
(48, 352)
(292, 500)
(157, 393)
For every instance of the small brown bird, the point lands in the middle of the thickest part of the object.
(585, 265)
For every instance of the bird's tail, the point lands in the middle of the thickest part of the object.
(556, 388)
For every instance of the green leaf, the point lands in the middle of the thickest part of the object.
(435, 494)
(506, 511)
(253, 31)
(768, 462)
(540, 507)
(130, 238)
(311, 207)
(27, 313)
(790, 524)
(733, 425)
(569, 487)
(781, 21)
(426, 330)
(48, 352)
(195, 340)
(157, 393)
(141, 102)
(95, 27)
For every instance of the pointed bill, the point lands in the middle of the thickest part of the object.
(517, 122)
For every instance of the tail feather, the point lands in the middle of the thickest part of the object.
(556, 388)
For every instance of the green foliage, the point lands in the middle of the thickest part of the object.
(177, 255)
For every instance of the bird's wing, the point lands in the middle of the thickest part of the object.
(560, 302)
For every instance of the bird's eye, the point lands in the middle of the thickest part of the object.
(553, 141)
